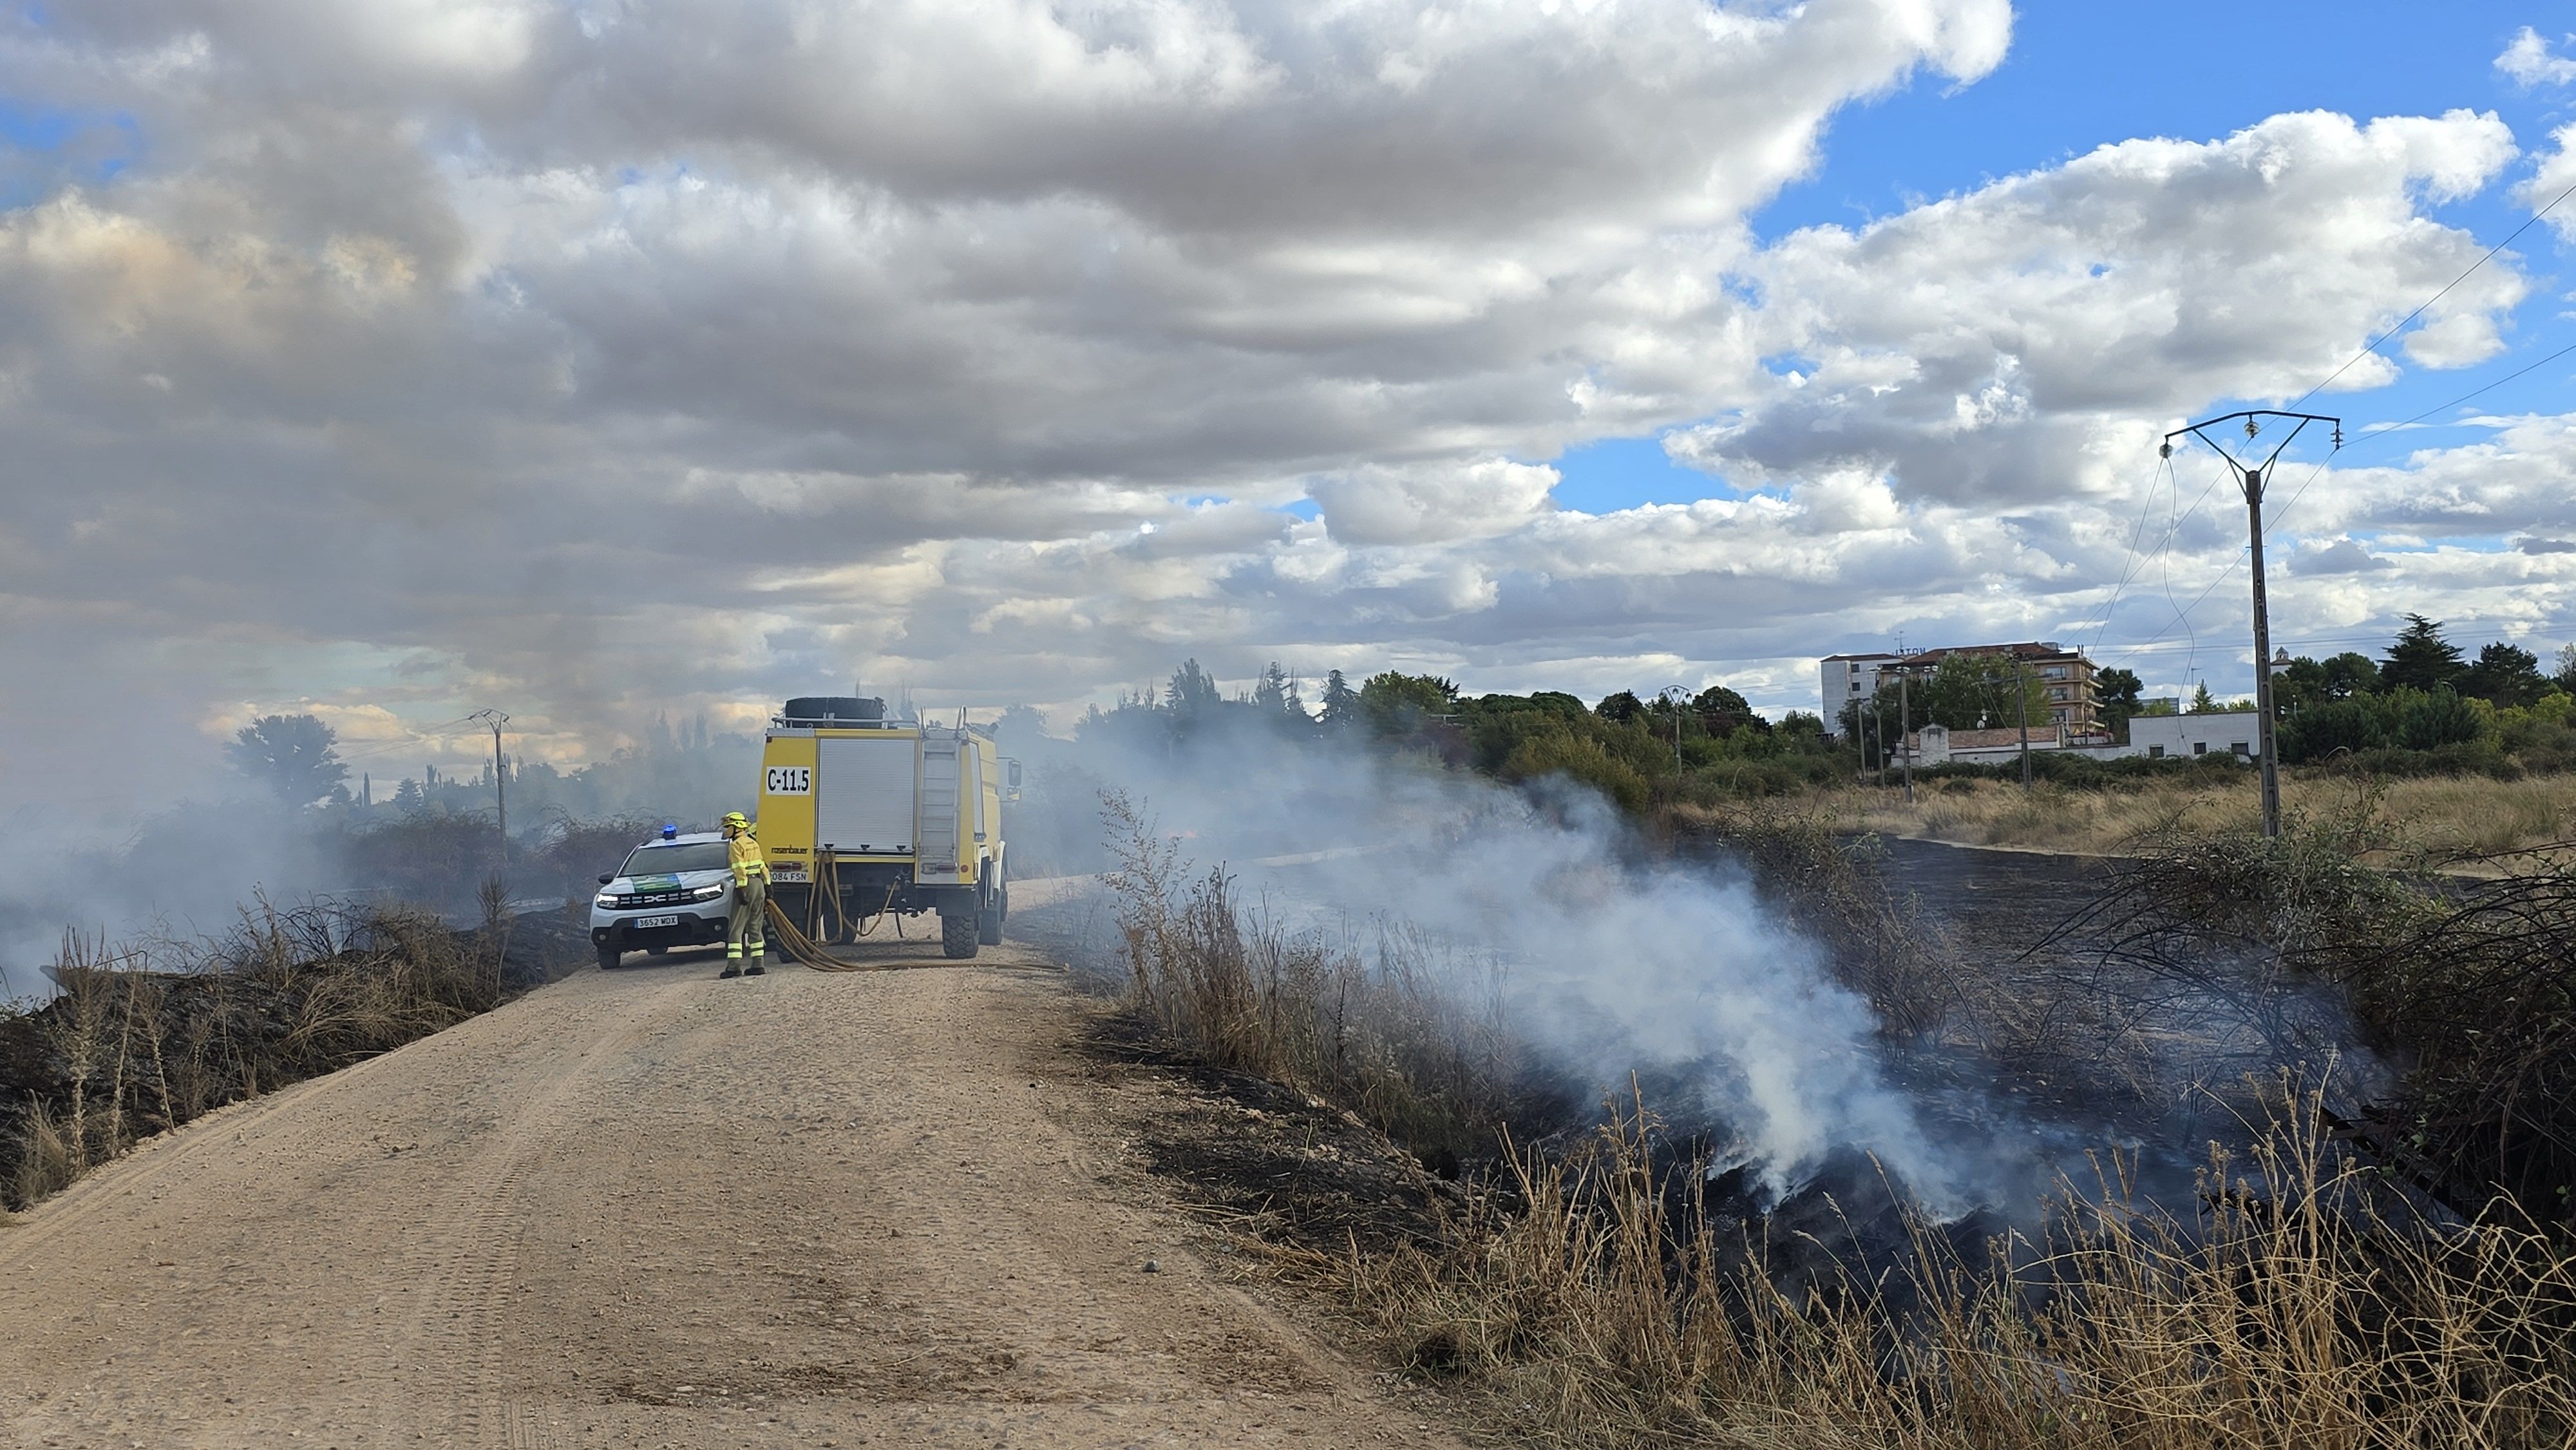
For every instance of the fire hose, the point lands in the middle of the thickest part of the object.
(806, 951)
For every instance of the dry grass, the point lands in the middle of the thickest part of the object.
(1589, 1297)
(2297, 1311)
(150, 1035)
(2438, 818)
(1380, 1027)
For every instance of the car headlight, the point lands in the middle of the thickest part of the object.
(706, 893)
(604, 899)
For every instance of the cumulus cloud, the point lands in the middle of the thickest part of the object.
(2343, 556)
(592, 359)
(2029, 338)
(2530, 61)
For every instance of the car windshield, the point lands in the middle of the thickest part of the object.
(672, 860)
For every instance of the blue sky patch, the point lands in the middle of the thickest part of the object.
(44, 148)
(1622, 473)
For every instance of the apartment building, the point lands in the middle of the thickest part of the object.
(2065, 674)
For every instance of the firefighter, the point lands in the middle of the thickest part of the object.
(750, 898)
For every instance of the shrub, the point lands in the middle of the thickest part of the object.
(1582, 759)
(2441, 718)
(2337, 725)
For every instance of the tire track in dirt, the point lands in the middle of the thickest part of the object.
(646, 1209)
(467, 1253)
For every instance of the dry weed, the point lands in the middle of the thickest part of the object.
(1400, 1028)
(155, 1033)
(2444, 816)
(2302, 1307)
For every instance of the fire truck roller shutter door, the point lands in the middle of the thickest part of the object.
(863, 795)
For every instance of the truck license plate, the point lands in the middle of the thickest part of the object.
(644, 921)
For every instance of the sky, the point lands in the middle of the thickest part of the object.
(610, 359)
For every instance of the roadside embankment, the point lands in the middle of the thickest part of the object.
(143, 1037)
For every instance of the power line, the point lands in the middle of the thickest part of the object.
(2129, 566)
(2377, 431)
(412, 743)
(2436, 297)
(2182, 612)
(2381, 430)
(2164, 549)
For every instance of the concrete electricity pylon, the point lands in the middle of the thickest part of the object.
(2250, 478)
(500, 784)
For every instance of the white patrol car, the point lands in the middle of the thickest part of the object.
(676, 891)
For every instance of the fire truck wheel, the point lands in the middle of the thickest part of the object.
(957, 937)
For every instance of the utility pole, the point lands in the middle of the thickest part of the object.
(1905, 720)
(1674, 697)
(500, 784)
(2250, 478)
(2021, 697)
(1878, 707)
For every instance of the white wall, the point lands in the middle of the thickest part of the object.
(2185, 735)
(1834, 685)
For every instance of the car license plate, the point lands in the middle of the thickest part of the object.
(644, 921)
(795, 874)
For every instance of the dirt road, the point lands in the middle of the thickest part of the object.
(648, 1208)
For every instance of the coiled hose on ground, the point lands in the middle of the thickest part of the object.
(806, 951)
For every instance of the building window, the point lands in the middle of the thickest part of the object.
(2155, 752)
(2241, 748)
(2200, 747)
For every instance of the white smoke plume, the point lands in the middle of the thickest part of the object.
(1604, 960)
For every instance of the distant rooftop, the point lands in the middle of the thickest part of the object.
(2027, 649)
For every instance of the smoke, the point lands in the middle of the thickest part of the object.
(98, 856)
(1604, 960)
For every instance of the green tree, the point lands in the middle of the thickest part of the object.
(1276, 694)
(1561, 752)
(1802, 732)
(2350, 673)
(294, 756)
(1620, 709)
(2420, 659)
(2115, 691)
(2440, 718)
(1721, 710)
(1341, 702)
(2504, 675)
(1193, 691)
(1397, 704)
(2330, 726)
(2201, 702)
(1971, 692)
(2565, 678)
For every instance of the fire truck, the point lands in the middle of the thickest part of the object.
(863, 819)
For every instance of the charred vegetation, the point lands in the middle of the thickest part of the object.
(149, 1035)
(2294, 1159)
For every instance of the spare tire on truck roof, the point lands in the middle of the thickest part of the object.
(835, 707)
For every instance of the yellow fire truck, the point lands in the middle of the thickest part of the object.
(862, 817)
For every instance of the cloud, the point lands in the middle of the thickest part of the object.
(2028, 338)
(2529, 60)
(590, 361)
(2340, 557)
(1376, 504)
